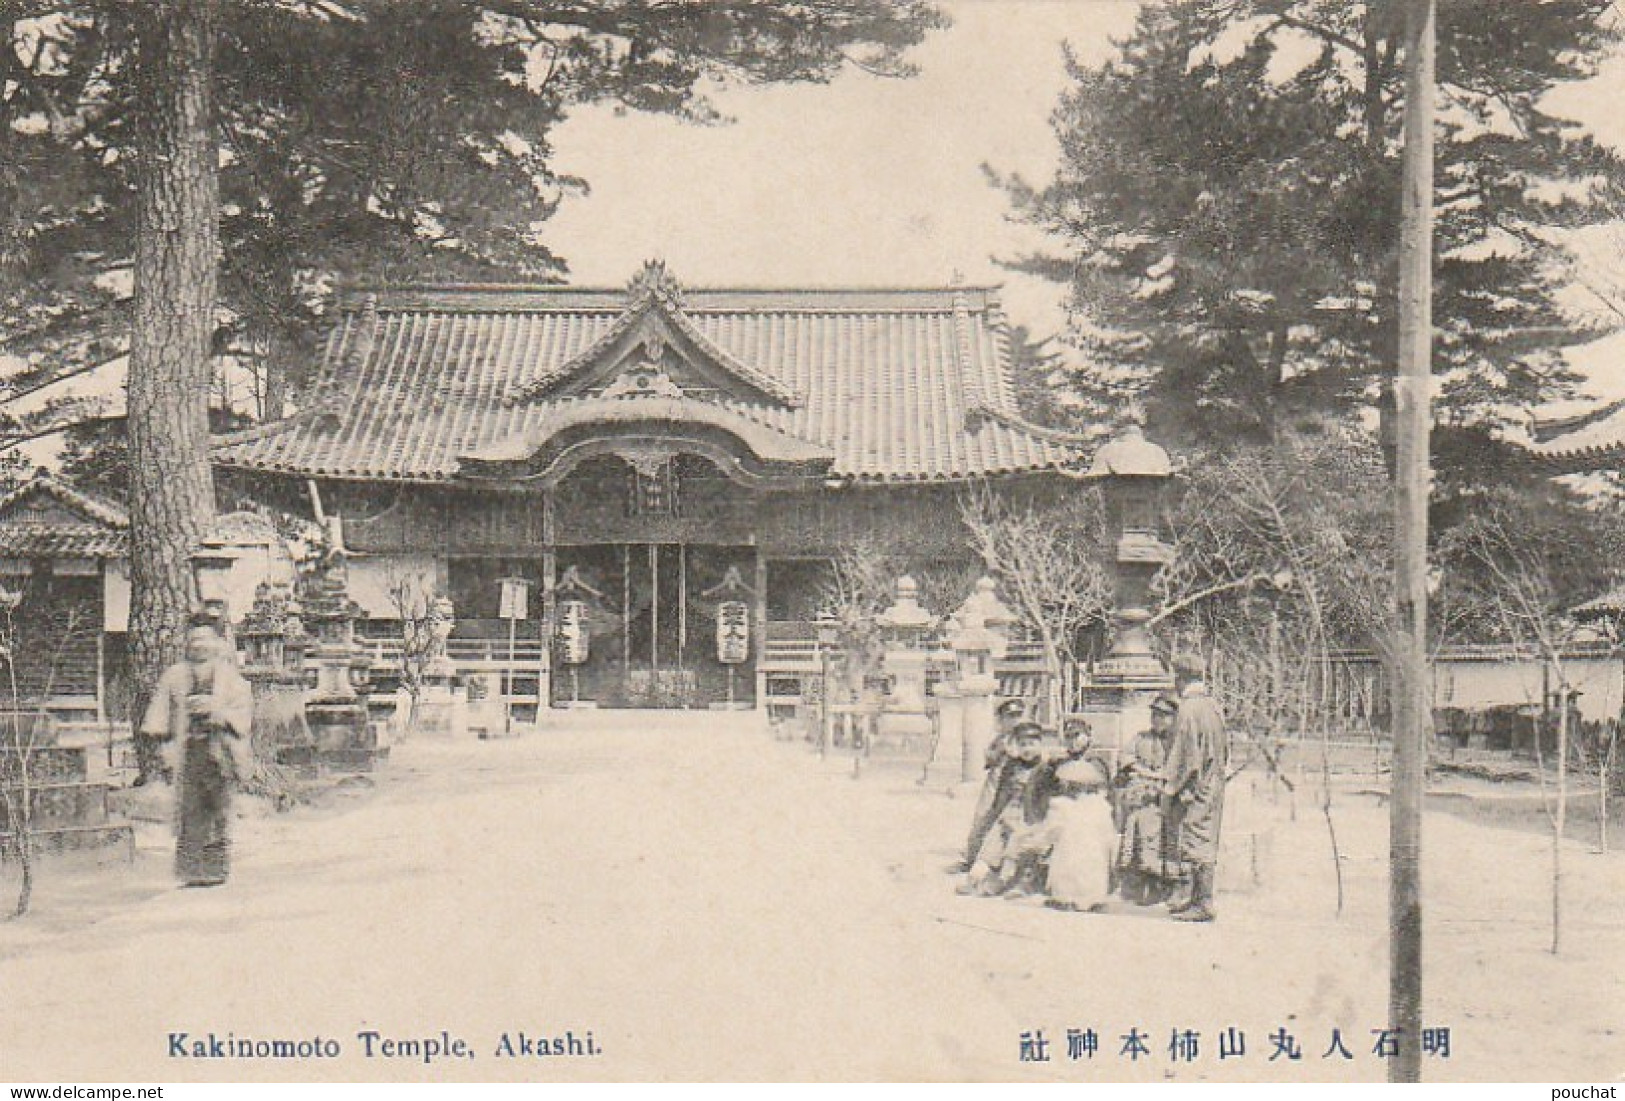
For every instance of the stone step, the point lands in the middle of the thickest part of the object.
(92, 735)
(915, 764)
(296, 756)
(351, 760)
(909, 747)
(310, 762)
(53, 805)
(47, 843)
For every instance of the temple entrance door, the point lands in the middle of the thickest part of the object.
(652, 611)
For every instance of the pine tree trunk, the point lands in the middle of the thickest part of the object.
(281, 351)
(171, 490)
(274, 392)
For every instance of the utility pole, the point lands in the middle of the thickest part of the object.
(1411, 686)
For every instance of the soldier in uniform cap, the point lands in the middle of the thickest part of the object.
(996, 860)
(1193, 786)
(997, 788)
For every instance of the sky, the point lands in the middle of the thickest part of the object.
(869, 181)
(865, 181)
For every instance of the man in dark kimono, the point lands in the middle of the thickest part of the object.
(997, 787)
(203, 709)
(1193, 786)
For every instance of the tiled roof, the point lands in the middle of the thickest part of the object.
(93, 510)
(49, 541)
(732, 417)
(1592, 441)
(898, 385)
(1606, 606)
(46, 518)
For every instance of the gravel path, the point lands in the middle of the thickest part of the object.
(709, 904)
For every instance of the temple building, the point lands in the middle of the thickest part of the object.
(631, 495)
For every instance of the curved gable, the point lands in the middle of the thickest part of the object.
(648, 431)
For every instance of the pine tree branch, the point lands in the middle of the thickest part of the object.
(9, 397)
(1326, 34)
(11, 442)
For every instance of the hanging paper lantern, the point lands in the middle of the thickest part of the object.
(574, 639)
(733, 632)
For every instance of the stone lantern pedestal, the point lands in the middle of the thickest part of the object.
(337, 673)
(1131, 472)
(904, 729)
(440, 710)
(273, 641)
(977, 637)
(945, 764)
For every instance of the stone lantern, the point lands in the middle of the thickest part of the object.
(238, 550)
(904, 727)
(829, 638)
(272, 635)
(273, 641)
(1131, 472)
(336, 708)
(212, 563)
(978, 634)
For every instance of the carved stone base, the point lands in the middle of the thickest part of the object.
(440, 713)
(903, 737)
(1116, 715)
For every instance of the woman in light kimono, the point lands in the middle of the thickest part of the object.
(1080, 820)
(205, 710)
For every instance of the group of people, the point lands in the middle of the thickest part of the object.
(1052, 819)
(1058, 820)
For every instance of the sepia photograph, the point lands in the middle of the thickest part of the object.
(811, 541)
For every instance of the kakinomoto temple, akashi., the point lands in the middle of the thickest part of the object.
(671, 469)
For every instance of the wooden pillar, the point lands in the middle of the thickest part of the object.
(654, 616)
(550, 571)
(101, 675)
(682, 604)
(760, 583)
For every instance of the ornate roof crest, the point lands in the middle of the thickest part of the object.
(643, 380)
(655, 280)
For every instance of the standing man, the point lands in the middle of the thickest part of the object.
(1193, 785)
(204, 709)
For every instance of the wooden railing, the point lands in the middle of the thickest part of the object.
(792, 667)
(798, 653)
(386, 652)
(508, 668)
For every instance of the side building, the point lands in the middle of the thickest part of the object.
(64, 602)
(670, 472)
